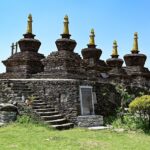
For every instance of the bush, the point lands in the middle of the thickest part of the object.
(28, 121)
(125, 97)
(141, 106)
(130, 122)
(24, 119)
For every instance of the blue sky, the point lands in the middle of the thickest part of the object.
(111, 19)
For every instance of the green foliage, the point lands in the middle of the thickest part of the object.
(125, 98)
(28, 121)
(31, 98)
(109, 120)
(123, 92)
(131, 122)
(141, 104)
(24, 119)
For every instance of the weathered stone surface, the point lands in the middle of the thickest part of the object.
(114, 62)
(91, 61)
(62, 94)
(107, 99)
(137, 71)
(28, 43)
(135, 59)
(91, 52)
(8, 107)
(7, 116)
(26, 62)
(8, 113)
(90, 121)
(61, 64)
(99, 128)
(66, 44)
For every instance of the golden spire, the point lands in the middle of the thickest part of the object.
(115, 51)
(66, 25)
(135, 43)
(92, 40)
(29, 26)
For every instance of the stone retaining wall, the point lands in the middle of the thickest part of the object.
(63, 94)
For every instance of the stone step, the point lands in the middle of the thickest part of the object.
(53, 117)
(44, 109)
(50, 116)
(35, 94)
(49, 113)
(63, 126)
(39, 104)
(41, 107)
(38, 101)
(57, 121)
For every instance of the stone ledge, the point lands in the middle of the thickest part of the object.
(99, 128)
(90, 121)
(41, 79)
(2, 124)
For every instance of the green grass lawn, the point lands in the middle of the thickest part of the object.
(36, 137)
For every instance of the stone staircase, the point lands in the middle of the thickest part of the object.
(50, 116)
(43, 110)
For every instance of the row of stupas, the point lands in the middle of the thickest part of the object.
(65, 63)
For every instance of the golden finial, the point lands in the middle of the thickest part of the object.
(115, 51)
(66, 25)
(135, 43)
(29, 26)
(92, 40)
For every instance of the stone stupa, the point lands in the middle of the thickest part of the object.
(64, 63)
(135, 62)
(28, 61)
(91, 58)
(115, 63)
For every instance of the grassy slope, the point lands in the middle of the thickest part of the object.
(31, 137)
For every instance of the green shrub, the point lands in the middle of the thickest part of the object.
(28, 121)
(24, 119)
(141, 106)
(109, 120)
(31, 98)
(125, 97)
(130, 122)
